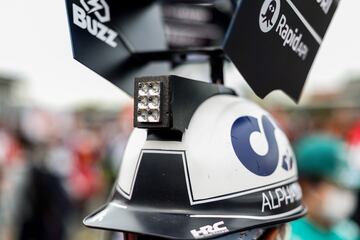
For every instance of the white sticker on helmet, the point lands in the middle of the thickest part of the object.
(209, 230)
(233, 148)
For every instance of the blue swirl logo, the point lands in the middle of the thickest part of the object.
(242, 128)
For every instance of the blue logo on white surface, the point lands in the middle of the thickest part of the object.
(287, 161)
(241, 130)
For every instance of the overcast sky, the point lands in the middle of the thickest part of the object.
(35, 45)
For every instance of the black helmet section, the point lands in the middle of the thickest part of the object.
(121, 40)
(159, 204)
(271, 41)
(281, 42)
(105, 35)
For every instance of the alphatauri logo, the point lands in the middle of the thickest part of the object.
(269, 14)
(209, 230)
(243, 132)
(91, 17)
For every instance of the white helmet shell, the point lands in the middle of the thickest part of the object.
(234, 164)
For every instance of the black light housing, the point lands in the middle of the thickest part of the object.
(169, 102)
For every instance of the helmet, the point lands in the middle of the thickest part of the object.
(232, 170)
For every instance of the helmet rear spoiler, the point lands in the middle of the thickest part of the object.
(123, 39)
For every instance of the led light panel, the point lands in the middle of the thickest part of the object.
(148, 101)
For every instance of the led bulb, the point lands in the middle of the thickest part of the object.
(154, 88)
(142, 116)
(154, 102)
(153, 116)
(143, 102)
(143, 89)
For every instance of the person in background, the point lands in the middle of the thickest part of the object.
(13, 172)
(329, 189)
(353, 141)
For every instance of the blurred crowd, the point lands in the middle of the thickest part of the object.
(56, 166)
